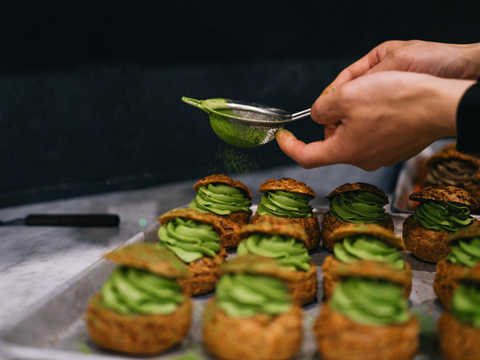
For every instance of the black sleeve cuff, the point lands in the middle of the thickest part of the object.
(468, 118)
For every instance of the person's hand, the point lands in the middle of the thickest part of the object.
(443, 60)
(379, 119)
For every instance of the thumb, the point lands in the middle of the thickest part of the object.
(308, 156)
(324, 110)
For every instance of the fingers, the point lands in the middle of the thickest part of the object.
(358, 68)
(363, 65)
(308, 156)
(388, 64)
(325, 110)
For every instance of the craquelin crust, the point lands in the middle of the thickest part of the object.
(309, 225)
(304, 288)
(331, 277)
(457, 340)
(448, 193)
(464, 233)
(150, 257)
(451, 152)
(287, 184)
(373, 270)
(258, 265)
(239, 218)
(223, 179)
(358, 186)
(274, 226)
(233, 222)
(331, 223)
(193, 214)
(261, 337)
(473, 275)
(339, 338)
(137, 334)
(204, 274)
(226, 229)
(386, 235)
(446, 281)
(427, 245)
(230, 224)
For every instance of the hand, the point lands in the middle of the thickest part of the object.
(379, 119)
(443, 60)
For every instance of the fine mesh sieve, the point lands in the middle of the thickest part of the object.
(244, 124)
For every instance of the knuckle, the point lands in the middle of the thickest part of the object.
(344, 93)
(396, 54)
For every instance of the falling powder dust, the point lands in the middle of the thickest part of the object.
(236, 161)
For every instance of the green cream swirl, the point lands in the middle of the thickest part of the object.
(367, 247)
(358, 207)
(220, 199)
(246, 295)
(442, 215)
(285, 204)
(370, 301)
(465, 252)
(134, 291)
(189, 240)
(466, 304)
(285, 249)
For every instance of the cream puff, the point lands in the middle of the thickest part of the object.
(288, 198)
(357, 203)
(141, 309)
(194, 237)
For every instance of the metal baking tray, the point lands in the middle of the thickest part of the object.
(55, 329)
(411, 175)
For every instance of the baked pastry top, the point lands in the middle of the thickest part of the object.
(221, 195)
(274, 226)
(379, 232)
(287, 184)
(449, 167)
(358, 186)
(149, 257)
(190, 234)
(358, 203)
(465, 246)
(451, 194)
(223, 179)
(445, 209)
(279, 239)
(286, 198)
(145, 283)
(367, 242)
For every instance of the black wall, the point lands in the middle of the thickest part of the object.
(90, 92)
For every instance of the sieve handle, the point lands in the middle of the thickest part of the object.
(301, 114)
(193, 102)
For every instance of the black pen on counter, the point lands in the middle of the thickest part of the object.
(74, 220)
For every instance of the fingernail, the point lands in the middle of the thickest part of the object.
(284, 134)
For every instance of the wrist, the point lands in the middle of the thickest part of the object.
(471, 54)
(449, 92)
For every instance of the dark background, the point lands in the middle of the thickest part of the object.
(90, 92)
